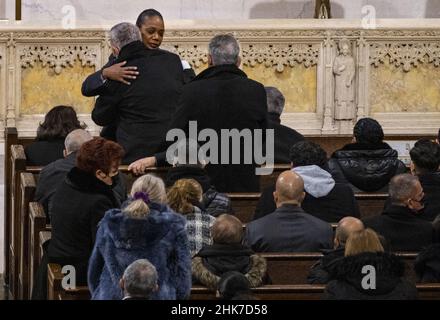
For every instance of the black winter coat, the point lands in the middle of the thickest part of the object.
(431, 187)
(427, 264)
(389, 283)
(222, 97)
(142, 111)
(77, 207)
(285, 138)
(402, 229)
(43, 152)
(339, 203)
(321, 271)
(94, 86)
(366, 167)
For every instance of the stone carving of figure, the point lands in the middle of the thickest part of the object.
(322, 9)
(344, 71)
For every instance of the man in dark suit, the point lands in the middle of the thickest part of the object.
(139, 280)
(221, 98)
(54, 173)
(144, 108)
(289, 228)
(399, 223)
(152, 27)
(285, 137)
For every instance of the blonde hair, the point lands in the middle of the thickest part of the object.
(151, 185)
(184, 194)
(363, 241)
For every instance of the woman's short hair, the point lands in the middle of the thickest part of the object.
(184, 195)
(149, 13)
(99, 154)
(368, 130)
(153, 187)
(58, 123)
(363, 241)
(227, 229)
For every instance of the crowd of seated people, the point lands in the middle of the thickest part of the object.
(170, 235)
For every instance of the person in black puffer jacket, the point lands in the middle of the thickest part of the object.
(364, 249)
(368, 164)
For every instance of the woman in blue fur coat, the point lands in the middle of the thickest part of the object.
(145, 228)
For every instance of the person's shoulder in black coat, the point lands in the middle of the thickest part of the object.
(43, 152)
(427, 264)
(321, 271)
(390, 285)
(285, 138)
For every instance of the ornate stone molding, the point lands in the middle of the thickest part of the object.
(280, 56)
(407, 55)
(57, 57)
(195, 54)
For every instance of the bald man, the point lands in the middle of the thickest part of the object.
(320, 272)
(289, 228)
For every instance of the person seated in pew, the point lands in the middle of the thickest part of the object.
(49, 144)
(319, 273)
(425, 161)
(227, 253)
(145, 228)
(53, 174)
(289, 228)
(326, 198)
(399, 223)
(427, 264)
(151, 25)
(368, 163)
(139, 281)
(285, 137)
(214, 202)
(383, 279)
(234, 285)
(185, 197)
(77, 207)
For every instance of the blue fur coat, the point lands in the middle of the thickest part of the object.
(160, 237)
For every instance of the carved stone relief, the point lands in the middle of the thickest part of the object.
(57, 57)
(405, 55)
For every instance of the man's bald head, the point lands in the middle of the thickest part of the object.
(289, 188)
(346, 227)
(75, 140)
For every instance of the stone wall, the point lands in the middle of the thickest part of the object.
(396, 69)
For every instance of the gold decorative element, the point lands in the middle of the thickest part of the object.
(57, 57)
(407, 55)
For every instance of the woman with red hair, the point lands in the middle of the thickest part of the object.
(77, 207)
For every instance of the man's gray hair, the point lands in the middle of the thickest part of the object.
(76, 139)
(140, 279)
(275, 100)
(124, 33)
(224, 49)
(402, 187)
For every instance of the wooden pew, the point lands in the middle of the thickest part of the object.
(55, 290)
(27, 187)
(269, 292)
(37, 224)
(12, 217)
(371, 204)
(244, 204)
(429, 291)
